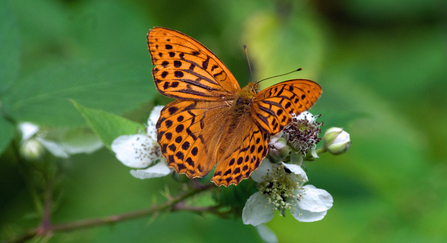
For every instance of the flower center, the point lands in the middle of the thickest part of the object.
(279, 185)
(147, 149)
(302, 134)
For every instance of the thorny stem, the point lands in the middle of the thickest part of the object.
(46, 219)
(47, 229)
(181, 206)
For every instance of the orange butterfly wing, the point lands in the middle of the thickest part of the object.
(272, 107)
(185, 69)
(270, 111)
(202, 127)
(189, 133)
(242, 151)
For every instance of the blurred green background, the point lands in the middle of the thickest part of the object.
(383, 69)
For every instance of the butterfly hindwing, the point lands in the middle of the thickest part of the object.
(185, 69)
(240, 159)
(272, 107)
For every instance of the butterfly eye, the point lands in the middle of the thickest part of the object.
(240, 101)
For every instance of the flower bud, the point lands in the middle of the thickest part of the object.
(278, 148)
(32, 149)
(336, 140)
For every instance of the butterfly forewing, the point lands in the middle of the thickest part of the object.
(185, 69)
(272, 107)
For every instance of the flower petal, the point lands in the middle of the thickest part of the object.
(28, 129)
(155, 114)
(54, 148)
(257, 210)
(262, 170)
(300, 174)
(306, 216)
(266, 234)
(158, 170)
(132, 150)
(305, 115)
(313, 152)
(80, 141)
(315, 200)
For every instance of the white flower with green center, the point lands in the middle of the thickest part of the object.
(281, 187)
(142, 151)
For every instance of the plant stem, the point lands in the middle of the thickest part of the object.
(47, 228)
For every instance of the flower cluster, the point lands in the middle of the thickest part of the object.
(280, 185)
(281, 182)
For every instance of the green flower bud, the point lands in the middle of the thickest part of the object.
(32, 149)
(336, 141)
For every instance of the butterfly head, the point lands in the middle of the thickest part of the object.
(244, 98)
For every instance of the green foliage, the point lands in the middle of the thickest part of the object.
(7, 133)
(108, 126)
(235, 196)
(273, 41)
(9, 51)
(43, 96)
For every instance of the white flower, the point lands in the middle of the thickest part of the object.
(136, 151)
(336, 140)
(281, 187)
(59, 142)
(142, 151)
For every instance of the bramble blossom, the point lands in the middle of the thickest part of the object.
(281, 187)
(142, 151)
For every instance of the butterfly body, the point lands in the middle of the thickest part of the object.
(241, 103)
(214, 121)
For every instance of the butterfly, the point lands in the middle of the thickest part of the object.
(213, 121)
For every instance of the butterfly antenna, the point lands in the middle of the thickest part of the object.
(248, 61)
(299, 69)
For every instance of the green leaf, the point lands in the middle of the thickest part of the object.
(43, 97)
(106, 125)
(6, 133)
(97, 36)
(9, 51)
